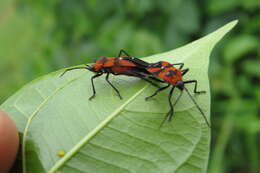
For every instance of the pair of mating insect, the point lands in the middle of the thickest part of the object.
(161, 71)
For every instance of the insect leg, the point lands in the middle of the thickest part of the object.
(107, 79)
(157, 91)
(155, 79)
(144, 77)
(170, 113)
(177, 100)
(92, 83)
(195, 88)
(152, 83)
(181, 65)
(184, 71)
(121, 52)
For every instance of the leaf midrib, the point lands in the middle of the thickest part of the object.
(90, 135)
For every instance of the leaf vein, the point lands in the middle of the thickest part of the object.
(126, 154)
(147, 142)
(108, 163)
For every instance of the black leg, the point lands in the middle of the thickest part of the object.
(92, 83)
(144, 78)
(107, 79)
(121, 52)
(184, 71)
(147, 80)
(181, 65)
(177, 100)
(195, 88)
(157, 91)
(170, 113)
(155, 79)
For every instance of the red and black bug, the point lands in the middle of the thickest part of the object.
(173, 76)
(120, 65)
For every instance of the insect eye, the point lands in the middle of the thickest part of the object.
(170, 73)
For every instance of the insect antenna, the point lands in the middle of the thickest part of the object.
(202, 113)
(75, 68)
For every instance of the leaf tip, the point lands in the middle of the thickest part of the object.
(219, 33)
(233, 23)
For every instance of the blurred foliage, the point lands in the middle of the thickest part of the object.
(37, 37)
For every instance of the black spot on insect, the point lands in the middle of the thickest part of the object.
(170, 73)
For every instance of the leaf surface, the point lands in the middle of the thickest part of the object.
(108, 135)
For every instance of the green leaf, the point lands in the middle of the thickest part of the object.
(106, 134)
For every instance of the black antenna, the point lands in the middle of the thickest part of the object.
(75, 68)
(202, 113)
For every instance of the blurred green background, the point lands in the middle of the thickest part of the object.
(40, 36)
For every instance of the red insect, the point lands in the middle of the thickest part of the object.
(121, 65)
(173, 76)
